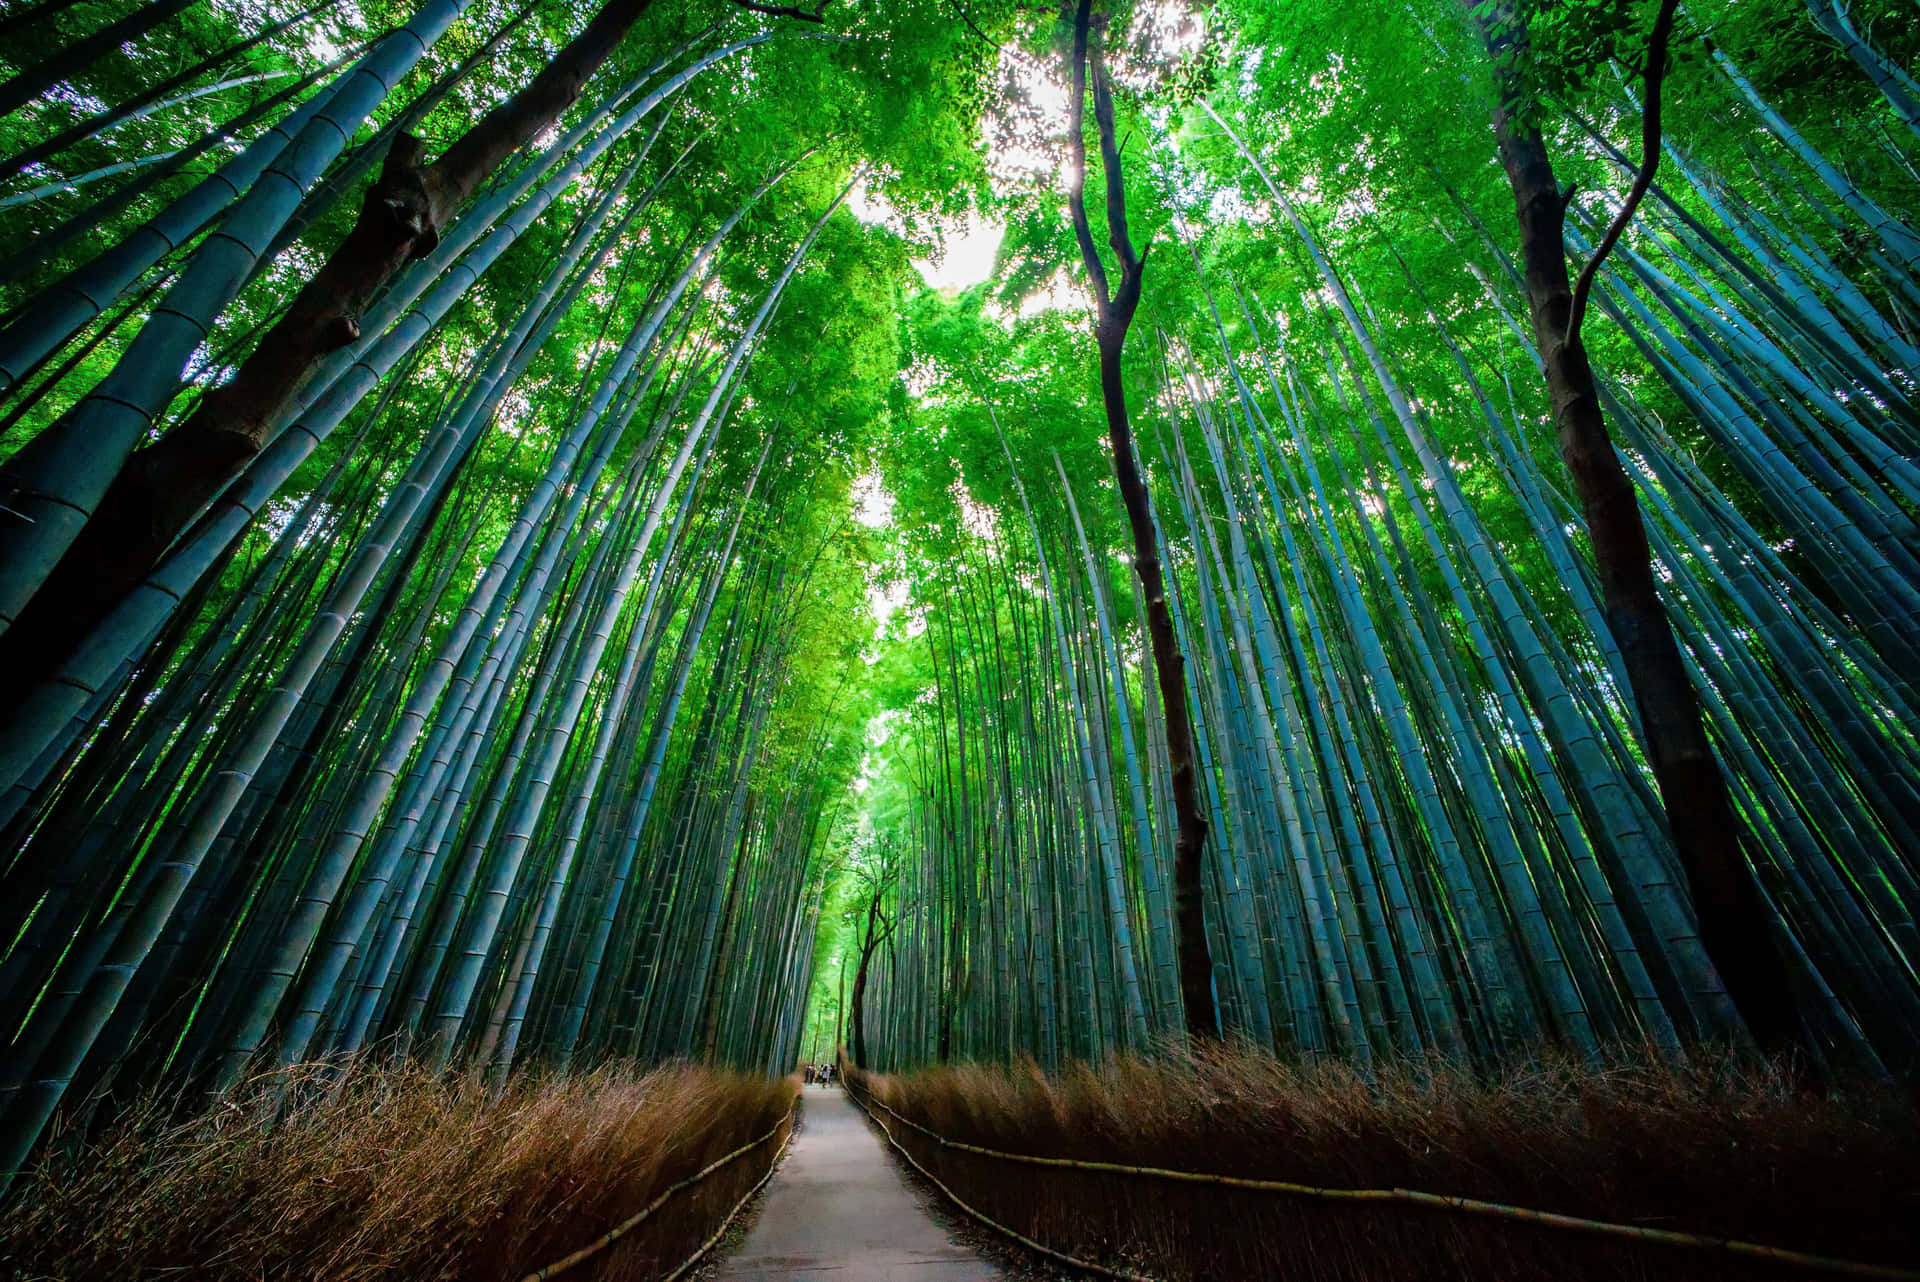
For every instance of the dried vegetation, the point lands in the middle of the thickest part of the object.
(384, 1173)
(1718, 1146)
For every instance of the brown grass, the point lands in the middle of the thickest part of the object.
(1717, 1146)
(378, 1173)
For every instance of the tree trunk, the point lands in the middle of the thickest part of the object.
(93, 126)
(81, 54)
(1114, 316)
(165, 484)
(868, 947)
(1733, 915)
(20, 20)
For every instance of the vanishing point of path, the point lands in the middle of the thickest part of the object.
(838, 1210)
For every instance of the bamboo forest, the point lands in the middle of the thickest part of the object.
(1200, 638)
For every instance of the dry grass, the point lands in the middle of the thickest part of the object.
(377, 1173)
(1718, 1146)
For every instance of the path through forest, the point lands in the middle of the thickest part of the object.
(839, 1211)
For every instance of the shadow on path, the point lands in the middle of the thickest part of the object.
(839, 1210)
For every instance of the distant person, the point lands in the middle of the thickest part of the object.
(808, 1068)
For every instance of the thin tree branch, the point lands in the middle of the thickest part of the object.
(1117, 234)
(1077, 145)
(975, 27)
(1649, 163)
(786, 10)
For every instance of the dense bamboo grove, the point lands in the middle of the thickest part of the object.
(495, 695)
(443, 542)
(1432, 820)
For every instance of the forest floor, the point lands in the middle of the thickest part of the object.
(839, 1209)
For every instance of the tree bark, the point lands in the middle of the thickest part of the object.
(1735, 920)
(82, 53)
(1113, 316)
(20, 20)
(92, 126)
(166, 483)
(869, 945)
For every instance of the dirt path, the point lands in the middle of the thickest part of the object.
(838, 1210)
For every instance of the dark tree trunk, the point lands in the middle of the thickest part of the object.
(1113, 318)
(859, 1020)
(21, 19)
(1735, 920)
(40, 250)
(93, 125)
(81, 54)
(840, 1014)
(870, 943)
(164, 485)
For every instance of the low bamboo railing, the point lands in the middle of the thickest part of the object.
(1394, 1196)
(639, 1217)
